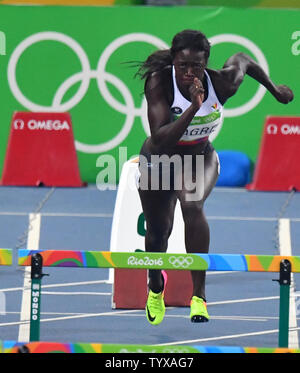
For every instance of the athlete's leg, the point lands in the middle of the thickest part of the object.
(158, 207)
(197, 234)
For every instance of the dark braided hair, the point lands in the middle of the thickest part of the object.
(161, 59)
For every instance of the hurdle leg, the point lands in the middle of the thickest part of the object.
(284, 307)
(35, 298)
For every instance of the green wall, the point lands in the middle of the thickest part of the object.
(45, 69)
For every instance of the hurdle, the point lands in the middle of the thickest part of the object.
(38, 259)
(57, 347)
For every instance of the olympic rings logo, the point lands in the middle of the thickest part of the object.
(181, 261)
(102, 77)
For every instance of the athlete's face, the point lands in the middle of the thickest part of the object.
(189, 64)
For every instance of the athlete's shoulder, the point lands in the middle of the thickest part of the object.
(225, 76)
(159, 84)
(221, 82)
(216, 76)
(159, 78)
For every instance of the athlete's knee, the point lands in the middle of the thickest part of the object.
(157, 237)
(194, 208)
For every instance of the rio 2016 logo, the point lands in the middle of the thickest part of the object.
(126, 106)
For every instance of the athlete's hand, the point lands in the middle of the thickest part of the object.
(197, 93)
(283, 94)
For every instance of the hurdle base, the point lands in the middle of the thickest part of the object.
(130, 289)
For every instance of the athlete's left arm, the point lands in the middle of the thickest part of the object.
(232, 75)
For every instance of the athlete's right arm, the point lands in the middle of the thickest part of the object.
(166, 132)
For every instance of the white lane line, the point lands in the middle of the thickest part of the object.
(32, 244)
(285, 248)
(49, 313)
(65, 284)
(141, 314)
(246, 218)
(76, 316)
(127, 313)
(78, 215)
(231, 318)
(242, 300)
(221, 272)
(13, 213)
(74, 293)
(221, 337)
(110, 215)
(60, 214)
(75, 283)
(230, 190)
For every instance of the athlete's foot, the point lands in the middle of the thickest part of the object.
(155, 306)
(198, 310)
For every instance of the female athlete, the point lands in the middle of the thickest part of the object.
(177, 162)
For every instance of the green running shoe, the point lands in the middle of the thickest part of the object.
(198, 310)
(155, 307)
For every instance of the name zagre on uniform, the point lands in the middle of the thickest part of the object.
(207, 118)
